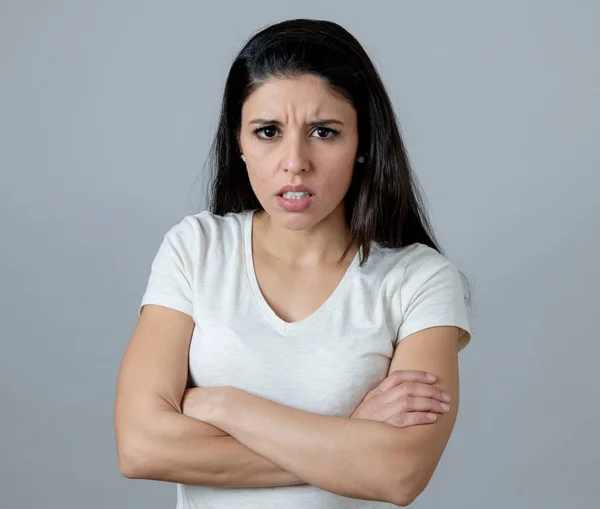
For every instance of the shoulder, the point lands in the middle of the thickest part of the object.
(424, 261)
(202, 227)
(429, 292)
(412, 262)
(418, 262)
(412, 271)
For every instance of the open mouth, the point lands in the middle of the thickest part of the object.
(295, 201)
(290, 195)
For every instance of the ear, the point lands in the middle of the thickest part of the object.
(239, 143)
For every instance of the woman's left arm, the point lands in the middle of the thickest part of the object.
(351, 457)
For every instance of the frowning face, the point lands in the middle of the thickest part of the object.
(296, 132)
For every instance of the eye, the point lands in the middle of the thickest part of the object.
(267, 131)
(326, 131)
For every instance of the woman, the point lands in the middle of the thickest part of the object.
(310, 303)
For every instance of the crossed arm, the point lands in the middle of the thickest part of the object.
(245, 440)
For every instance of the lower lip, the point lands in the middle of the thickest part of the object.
(290, 205)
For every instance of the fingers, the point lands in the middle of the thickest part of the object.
(416, 389)
(418, 404)
(402, 376)
(404, 420)
(405, 398)
(407, 409)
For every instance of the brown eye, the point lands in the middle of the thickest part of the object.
(269, 132)
(326, 133)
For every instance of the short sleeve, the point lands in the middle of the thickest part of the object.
(432, 294)
(170, 283)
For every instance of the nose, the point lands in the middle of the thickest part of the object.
(296, 158)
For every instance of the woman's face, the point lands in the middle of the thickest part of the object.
(296, 132)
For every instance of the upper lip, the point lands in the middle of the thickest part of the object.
(295, 189)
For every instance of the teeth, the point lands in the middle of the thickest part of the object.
(295, 196)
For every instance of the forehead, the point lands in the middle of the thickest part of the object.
(306, 93)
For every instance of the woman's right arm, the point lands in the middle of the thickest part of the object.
(154, 439)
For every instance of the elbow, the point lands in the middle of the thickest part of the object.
(132, 461)
(129, 466)
(405, 494)
(404, 499)
(138, 443)
(126, 467)
(410, 485)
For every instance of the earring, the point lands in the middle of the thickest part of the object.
(243, 158)
(360, 159)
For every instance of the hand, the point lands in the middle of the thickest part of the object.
(405, 398)
(201, 403)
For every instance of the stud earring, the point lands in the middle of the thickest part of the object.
(360, 159)
(243, 158)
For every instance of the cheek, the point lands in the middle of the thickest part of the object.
(337, 180)
(259, 181)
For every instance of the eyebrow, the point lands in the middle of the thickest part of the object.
(264, 121)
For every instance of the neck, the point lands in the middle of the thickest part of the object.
(322, 244)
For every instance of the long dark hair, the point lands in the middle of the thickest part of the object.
(384, 202)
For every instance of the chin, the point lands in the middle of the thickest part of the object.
(295, 220)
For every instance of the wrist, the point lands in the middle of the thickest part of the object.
(205, 403)
(219, 402)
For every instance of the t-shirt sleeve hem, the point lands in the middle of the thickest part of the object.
(464, 337)
(169, 302)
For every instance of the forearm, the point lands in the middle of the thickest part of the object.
(170, 446)
(239, 466)
(350, 457)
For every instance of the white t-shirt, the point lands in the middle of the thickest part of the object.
(325, 363)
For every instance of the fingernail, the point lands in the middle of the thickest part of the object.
(446, 396)
(432, 417)
(431, 377)
(444, 406)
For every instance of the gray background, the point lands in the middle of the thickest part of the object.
(107, 110)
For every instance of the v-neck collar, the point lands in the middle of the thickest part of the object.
(281, 325)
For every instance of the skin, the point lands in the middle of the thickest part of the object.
(279, 445)
(296, 152)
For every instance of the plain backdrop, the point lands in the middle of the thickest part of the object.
(107, 111)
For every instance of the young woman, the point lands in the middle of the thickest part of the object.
(287, 334)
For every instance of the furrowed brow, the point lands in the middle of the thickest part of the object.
(316, 123)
